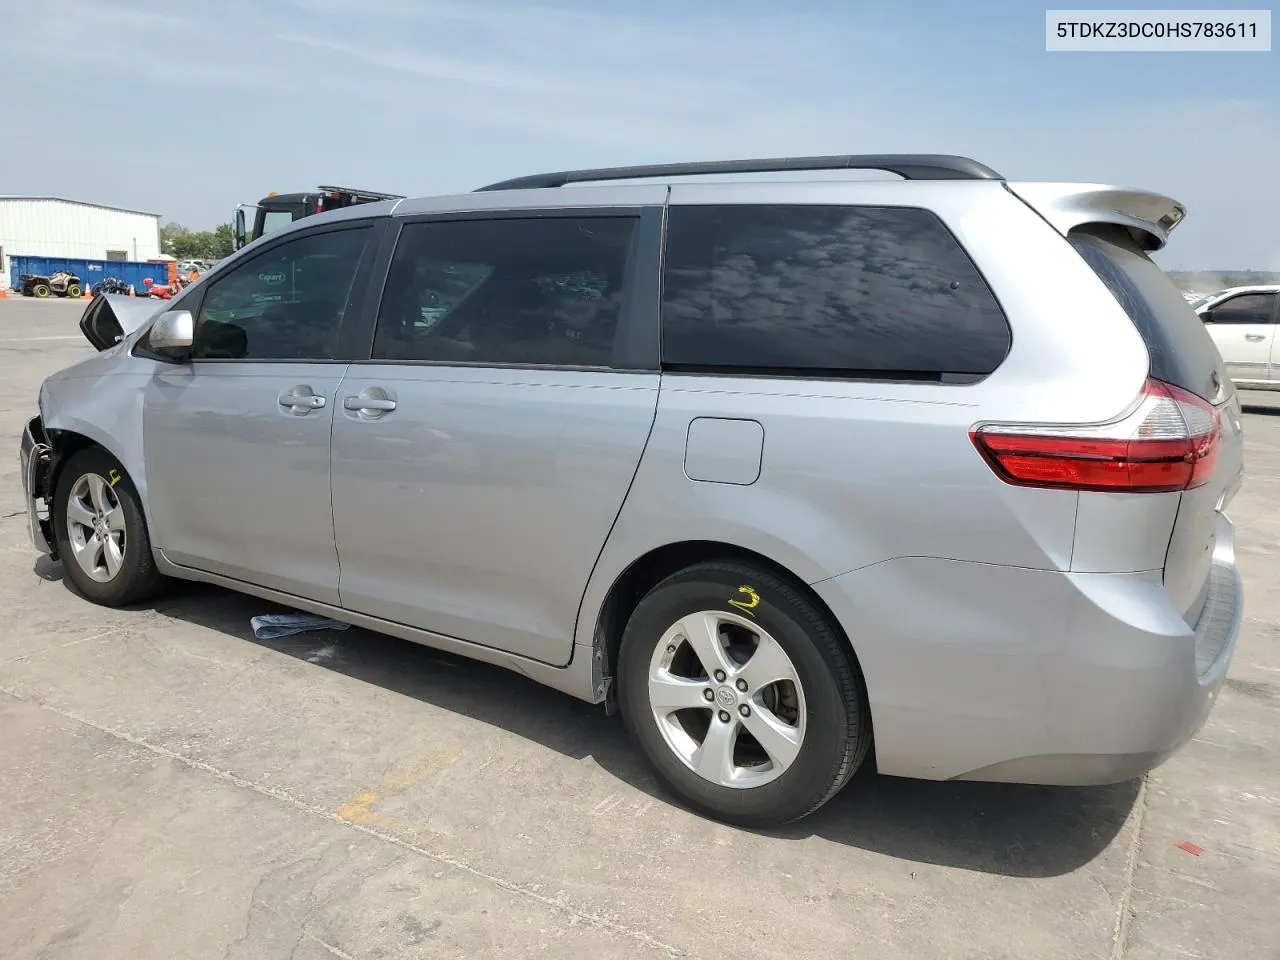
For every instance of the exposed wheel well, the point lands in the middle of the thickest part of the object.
(656, 565)
(66, 444)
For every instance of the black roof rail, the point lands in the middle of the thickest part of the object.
(909, 166)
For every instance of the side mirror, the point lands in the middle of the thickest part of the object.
(240, 225)
(172, 334)
(1206, 316)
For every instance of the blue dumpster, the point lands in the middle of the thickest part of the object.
(89, 271)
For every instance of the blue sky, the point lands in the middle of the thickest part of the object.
(188, 110)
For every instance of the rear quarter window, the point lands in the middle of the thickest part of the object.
(826, 291)
(1181, 351)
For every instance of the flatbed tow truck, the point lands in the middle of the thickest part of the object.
(277, 210)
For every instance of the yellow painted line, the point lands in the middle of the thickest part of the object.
(359, 809)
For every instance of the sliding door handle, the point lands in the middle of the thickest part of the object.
(373, 404)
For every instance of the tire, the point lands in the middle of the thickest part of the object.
(73, 291)
(817, 721)
(100, 487)
(40, 290)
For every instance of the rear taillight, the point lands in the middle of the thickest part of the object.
(1168, 442)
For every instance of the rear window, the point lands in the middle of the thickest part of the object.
(835, 291)
(1181, 351)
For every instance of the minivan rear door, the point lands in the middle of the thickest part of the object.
(482, 453)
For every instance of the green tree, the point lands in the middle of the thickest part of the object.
(170, 234)
(177, 241)
(224, 244)
(194, 245)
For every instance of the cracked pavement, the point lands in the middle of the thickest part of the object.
(172, 787)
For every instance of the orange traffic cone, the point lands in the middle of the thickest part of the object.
(131, 293)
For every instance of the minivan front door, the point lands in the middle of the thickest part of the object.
(481, 458)
(237, 441)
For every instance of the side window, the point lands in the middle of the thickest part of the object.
(275, 219)
(882, 292)
(1246, 308)
(285, 304)
(543, 290)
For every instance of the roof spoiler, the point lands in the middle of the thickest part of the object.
(1150, 217)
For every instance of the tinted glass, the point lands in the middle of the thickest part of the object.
(540, 291)
(1246, 308)
(883, 292)
(1180, 350)
(285, 304)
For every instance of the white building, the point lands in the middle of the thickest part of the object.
(53, 227)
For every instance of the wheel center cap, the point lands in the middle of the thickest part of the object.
(726, 696)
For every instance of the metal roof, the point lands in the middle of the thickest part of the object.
(82, 203)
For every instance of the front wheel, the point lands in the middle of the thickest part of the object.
(742, 694)
(101, 531)
(73, 291)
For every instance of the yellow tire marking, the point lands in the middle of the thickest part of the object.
(748, 605)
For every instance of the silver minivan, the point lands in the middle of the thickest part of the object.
(779, 469)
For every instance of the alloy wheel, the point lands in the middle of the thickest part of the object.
(727, 699)
(96, 527)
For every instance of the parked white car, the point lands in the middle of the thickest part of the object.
(1242, 322)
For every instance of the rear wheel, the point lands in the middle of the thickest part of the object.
(40, 290)
(101, 531)
(742, 694)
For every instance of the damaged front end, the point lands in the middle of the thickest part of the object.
(95, 401)
(36, 457)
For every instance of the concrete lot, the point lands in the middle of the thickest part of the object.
(172, 787)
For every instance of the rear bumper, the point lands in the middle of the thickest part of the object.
(983, 672)
(33, 460)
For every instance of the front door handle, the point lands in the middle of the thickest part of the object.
(296, 400)
(378, 404)
(301, 400)
(1255, 337)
